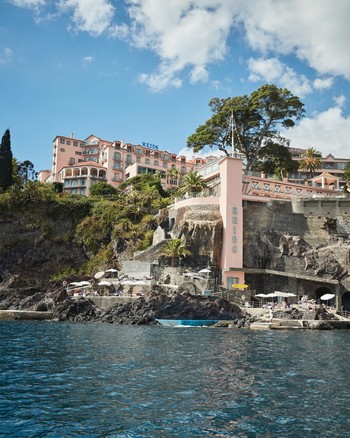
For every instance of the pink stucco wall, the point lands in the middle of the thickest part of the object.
(232, 216)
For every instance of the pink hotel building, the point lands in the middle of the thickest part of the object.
(79, 164)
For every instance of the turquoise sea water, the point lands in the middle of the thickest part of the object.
(99, 380)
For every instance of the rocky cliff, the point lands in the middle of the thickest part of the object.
(30, 255)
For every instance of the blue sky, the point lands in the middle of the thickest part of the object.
(145, 70)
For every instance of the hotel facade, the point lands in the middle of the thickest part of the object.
(79, 164)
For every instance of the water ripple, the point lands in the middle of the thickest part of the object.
(97, 380)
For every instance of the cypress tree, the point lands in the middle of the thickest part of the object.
(6, 178)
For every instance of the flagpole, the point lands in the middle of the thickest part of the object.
(232, 140)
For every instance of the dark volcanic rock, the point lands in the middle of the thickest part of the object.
(80, 310)
(179, 306)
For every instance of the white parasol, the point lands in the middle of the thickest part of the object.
(327, 297)
(281, 294)
(99, 275)
(104, 283)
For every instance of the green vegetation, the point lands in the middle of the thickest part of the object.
(311, 161)
(175, 249)
(276, 159)
(255, 119)
(104, 190)
(6, 177)
(191, 183)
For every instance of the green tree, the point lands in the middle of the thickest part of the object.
(275, 158)
(252, 119)
(139, 182)
(347, 175)
(6, 177)
(173, 175)
(104, 190)
(192, 183)
(26, 171)
(175, 249)
(311, 161)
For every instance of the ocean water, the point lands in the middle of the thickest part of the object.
(99, 380)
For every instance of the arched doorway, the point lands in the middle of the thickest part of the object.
(319, 292)
(345, 301)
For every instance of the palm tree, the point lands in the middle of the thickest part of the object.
(192, 183)
(173, 175)
(175, 249)
(311, 161)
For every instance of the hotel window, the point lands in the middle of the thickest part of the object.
(117, 155)
(62, 140)
(165, 165)
(156, 162)
(68, 142)
(138, 151)
(147, 161)
(165, 157)
(75, 143)
(138, 159)
(62, 150)
(129, 159)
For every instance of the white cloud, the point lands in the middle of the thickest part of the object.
(206, 152)
(184, 35)
(340, 101)
(6, 56)
(87, 60)
(120, 31)
(327, 132)
(28, 3)
(323, 84)
(315, 31)
(274, 71)
(92, 16)
(192, 35)
(188, 36)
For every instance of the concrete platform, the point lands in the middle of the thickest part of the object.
(24, 315)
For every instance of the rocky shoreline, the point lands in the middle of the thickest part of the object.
(147, 309)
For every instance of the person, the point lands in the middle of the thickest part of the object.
(271, 315)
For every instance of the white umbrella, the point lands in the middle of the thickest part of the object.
(327, 297)
(127, 283)
(112, 270)
(141, 283)
(281, 294)
(104, 283)
(261, 295)
(204, 271)
(83, 283)
(99, 275)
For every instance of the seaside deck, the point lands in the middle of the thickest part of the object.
(28, 315)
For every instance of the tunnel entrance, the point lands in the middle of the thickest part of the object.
(345, 301)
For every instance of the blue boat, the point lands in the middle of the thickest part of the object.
(187, 322)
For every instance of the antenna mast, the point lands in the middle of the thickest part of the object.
(232, 139)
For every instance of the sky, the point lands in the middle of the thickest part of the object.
(145, 70)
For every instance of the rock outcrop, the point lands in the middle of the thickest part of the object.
(147, 309)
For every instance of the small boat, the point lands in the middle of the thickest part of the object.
(187, 322)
